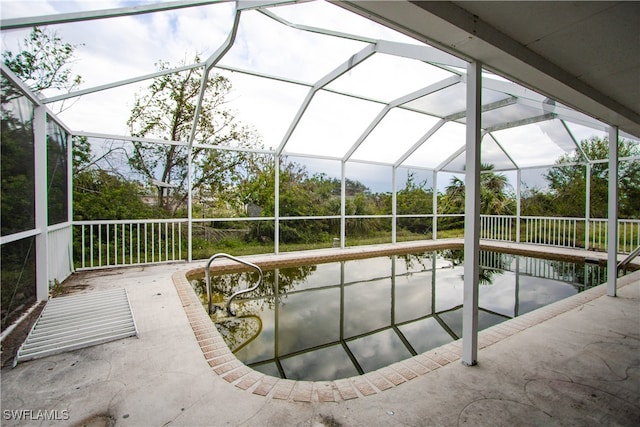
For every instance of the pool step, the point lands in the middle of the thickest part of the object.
(78, 321)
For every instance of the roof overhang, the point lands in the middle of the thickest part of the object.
(583, 54)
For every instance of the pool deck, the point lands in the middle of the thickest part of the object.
(575, 362)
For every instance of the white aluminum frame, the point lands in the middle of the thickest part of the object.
(472, 217)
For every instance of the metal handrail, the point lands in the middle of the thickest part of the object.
(623, 264)
(240, 292)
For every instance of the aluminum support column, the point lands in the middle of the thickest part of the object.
(343, 204)
(276, 205)
(190, 204)
(394, 204)
(41, 202)
(472, 216)
(587, 205)
(612, 228)
(434, 203)
(70, 178)
(518, 203)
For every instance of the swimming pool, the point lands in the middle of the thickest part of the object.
(335, 320)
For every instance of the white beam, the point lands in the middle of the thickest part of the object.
(522, 122)
(612, 228)
(210, 63)
(328, 78)
(41, 202)
(119, 83)
(129, 138)
(488, 107)
(443, 164)
(442, 84)
(472, 216)
(566, 114)
(257, 4)
(424, 53)
(505, 152)
(575, 142)
(61, 18)
(419, 143)
(10, 238)
(20, 84)
(316, 30)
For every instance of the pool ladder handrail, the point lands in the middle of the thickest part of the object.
(622, 265)
(237, 293)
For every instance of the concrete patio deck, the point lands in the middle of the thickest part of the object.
(576, 362)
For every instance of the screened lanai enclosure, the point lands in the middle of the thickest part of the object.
(164, 132)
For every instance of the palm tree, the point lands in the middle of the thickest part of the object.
(494, 197)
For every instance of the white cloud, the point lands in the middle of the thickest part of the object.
(267, 46)
(268, 105)
(331, 125)
(386, 143)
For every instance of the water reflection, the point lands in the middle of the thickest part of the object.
(335, 320)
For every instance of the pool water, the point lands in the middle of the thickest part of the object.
(328, 321)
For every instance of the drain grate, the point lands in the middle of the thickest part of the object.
(73, 322)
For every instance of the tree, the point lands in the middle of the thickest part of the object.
(17, 189)
(300, 195)
(101, 194)
(495, 199)
(537, 202)
(494, 196)
(452, 202)
(166, 111)
(44, 62)
(415, 198)
(567, 181)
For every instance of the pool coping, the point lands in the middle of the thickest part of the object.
(225, 364)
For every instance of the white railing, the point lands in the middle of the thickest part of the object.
(628, 234)
(128, 242)
(560, 231)
(100, 244)
(498, 227)
(553, 231)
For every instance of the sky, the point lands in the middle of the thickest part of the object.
(119, 48)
